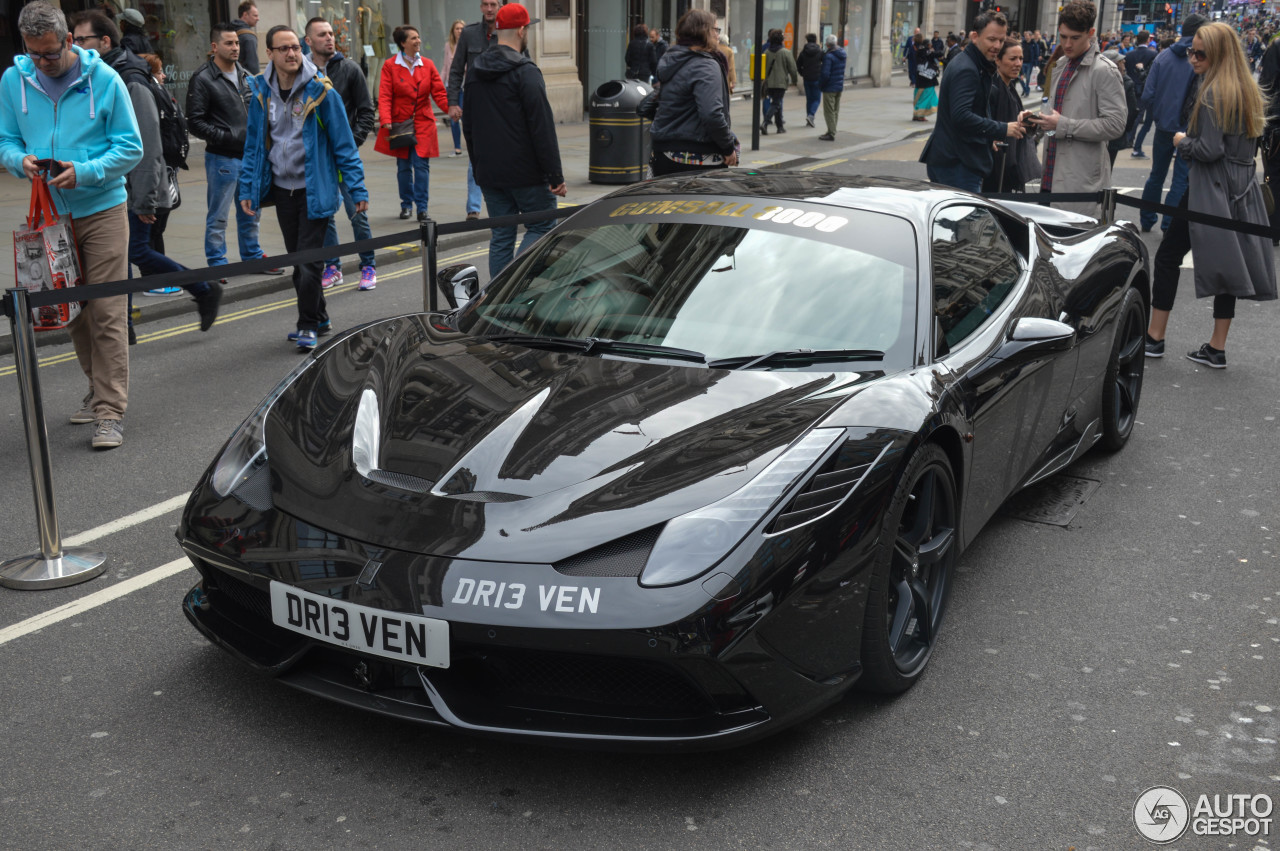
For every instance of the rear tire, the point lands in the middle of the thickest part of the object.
(911, 578)
(1122, 382)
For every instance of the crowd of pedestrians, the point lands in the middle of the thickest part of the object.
(282, 127)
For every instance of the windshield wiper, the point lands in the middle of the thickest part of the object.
(588, 345)
(795, 356)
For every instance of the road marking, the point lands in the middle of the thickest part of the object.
(54, 360)
(92, 601)
(817, 166)
(122, 523)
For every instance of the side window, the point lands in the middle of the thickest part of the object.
(974, 270)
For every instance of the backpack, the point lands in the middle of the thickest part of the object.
(174, 141)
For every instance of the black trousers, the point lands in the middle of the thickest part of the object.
(300, 233)
(1173, 248)
(775, 106)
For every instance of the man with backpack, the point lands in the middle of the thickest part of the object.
(147, 184)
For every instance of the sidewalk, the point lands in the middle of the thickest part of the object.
(869, 117)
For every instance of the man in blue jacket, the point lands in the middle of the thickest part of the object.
(831, 81)
(1162, 95)
(63, 103)
(959, 152)
(1137, 64)
(310, 144)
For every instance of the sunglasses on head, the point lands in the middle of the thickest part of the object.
(1198, 54)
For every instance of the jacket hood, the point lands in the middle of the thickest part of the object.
(488, 446)
(774, 48)
(123, 59)
(1181, 46)
(90, 64)
(673, 60)
(306, 74)
(838, 51)
(496, 61)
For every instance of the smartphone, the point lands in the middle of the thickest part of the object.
(1029, 121)
(52, 166)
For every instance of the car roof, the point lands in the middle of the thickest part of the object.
(911, 199)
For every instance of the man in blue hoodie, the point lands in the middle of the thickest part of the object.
(1162, 97)
(63, 103)
(297, 144)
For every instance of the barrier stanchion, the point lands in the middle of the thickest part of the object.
(53, 566)
(428, 232)
(1109, 205)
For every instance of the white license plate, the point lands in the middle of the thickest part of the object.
(405, 638)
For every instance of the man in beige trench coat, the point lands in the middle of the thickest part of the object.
(1086, 92)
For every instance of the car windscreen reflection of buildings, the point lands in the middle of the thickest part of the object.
(723, 291)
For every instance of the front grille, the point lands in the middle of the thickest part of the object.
(556, 682)
(242, 594)
(621, 557)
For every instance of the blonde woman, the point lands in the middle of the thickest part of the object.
(1227, 119)
(451, 47)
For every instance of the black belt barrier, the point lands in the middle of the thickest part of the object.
(246, 267)
(1199, 218)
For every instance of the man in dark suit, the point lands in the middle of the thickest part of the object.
(959, 152)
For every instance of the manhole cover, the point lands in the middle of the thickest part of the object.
(1055, 500)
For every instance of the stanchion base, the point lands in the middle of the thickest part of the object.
(33, 573)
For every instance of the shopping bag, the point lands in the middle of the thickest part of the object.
(46, 257)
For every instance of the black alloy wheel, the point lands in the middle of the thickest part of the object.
(912, 575)
(1122, 383)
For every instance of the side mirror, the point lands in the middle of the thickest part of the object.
(459, 283)
(1031, 337)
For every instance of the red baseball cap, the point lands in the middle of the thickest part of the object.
(513, 16)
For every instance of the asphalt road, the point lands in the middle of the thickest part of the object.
(1078, 666)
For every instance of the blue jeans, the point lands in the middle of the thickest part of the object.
(223, 177)
(1162, 152)
(413, 175)
(473, 192)
(152, 262)
(1145, 117)
(812, 97)
(510, 202)
(1027, 70)
(955, 175)
(359, 229)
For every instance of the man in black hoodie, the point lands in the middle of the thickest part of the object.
(810, 64)
(511, 134)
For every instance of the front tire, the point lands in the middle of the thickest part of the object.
(1122, 382)
(911, 578)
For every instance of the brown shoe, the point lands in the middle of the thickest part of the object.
(471, 217)
(108, 434)
(85, 415)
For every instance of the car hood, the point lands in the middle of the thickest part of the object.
(501, 452)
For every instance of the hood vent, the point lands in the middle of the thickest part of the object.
(829, 487)
(620, 557)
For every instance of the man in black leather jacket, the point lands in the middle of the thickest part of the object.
(217, 112)
(348, 82)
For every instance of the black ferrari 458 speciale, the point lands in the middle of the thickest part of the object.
(693, 465)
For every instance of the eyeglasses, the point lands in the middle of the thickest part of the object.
(1198, 54)
(81, 39)
(47, 57)
(288, 48)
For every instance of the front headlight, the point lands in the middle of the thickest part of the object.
(693, 543)
(246, 451)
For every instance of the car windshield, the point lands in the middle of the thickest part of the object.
(719, 290)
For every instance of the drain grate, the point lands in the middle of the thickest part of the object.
(1054, 501)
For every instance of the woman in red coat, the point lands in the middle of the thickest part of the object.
(410, 82)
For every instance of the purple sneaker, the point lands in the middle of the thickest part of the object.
(368, 277)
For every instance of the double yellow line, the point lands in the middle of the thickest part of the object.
(191, 327)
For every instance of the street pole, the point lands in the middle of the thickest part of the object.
(757, 82)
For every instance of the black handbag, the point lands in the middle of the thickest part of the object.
(401, 134)
(648, 107)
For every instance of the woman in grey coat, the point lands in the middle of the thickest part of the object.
(1226, 121)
